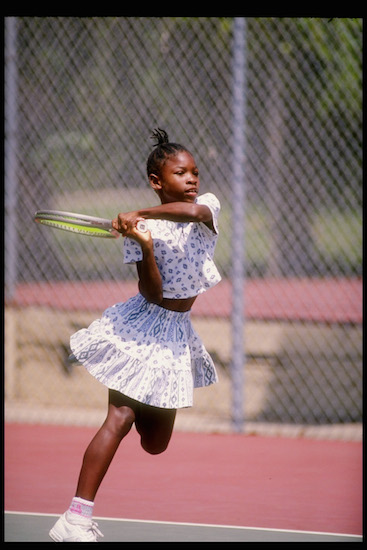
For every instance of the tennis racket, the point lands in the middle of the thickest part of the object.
(81, 224)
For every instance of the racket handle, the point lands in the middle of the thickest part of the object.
(142, 226)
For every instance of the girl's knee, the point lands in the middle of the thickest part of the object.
(154, 447)
(155, 428)
(120, 420)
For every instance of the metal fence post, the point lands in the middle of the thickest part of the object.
(238, 220)
(10, 155)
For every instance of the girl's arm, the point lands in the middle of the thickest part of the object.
(150, 280)
(172, 211)
(178, 212)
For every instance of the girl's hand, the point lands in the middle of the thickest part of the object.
(126, 223)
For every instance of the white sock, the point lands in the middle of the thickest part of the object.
(81, 507)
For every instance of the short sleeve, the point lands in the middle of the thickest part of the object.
(132, 251)
(213, 204)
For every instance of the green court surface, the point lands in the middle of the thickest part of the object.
(32, 527)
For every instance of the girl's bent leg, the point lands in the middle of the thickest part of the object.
(104, 445)
(155, 427)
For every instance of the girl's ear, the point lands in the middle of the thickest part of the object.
(155, 182)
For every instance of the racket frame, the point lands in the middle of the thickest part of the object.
(54, 218)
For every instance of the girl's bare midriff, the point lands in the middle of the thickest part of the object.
(184, 304)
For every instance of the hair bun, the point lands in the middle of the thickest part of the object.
(163, 149)
(160, 136)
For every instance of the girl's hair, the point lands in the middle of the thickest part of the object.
(163, 149)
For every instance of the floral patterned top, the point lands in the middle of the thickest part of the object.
(183, 252)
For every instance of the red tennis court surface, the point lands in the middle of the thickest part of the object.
(277, 483)
(318, 300)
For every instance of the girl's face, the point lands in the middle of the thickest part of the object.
(178, 180)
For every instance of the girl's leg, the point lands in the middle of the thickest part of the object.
(102, 448)
(155, 427)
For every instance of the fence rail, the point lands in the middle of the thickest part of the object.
(82, 95)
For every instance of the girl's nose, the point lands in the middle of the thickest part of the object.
(192, 179)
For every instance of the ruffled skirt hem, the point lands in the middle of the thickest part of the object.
(148, 353)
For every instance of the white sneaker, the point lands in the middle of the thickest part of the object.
(69, 528)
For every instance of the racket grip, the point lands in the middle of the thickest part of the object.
(142, 226)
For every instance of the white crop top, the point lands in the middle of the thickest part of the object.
(183, 253)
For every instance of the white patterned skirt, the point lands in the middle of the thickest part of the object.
(146, 352)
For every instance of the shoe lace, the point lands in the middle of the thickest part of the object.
(94, 531)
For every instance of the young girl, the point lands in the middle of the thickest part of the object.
(145, 350)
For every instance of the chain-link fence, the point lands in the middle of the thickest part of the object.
(81, 98)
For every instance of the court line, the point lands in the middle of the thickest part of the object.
(212, 526)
